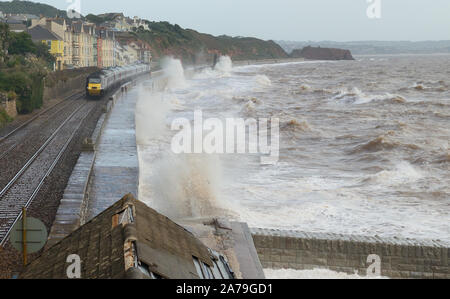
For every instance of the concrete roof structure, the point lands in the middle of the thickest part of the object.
(131, 240)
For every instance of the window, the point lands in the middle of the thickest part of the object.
(198, 268)
(95, 80)
(144, 268)
(203, 270)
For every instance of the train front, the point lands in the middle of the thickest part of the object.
(94, 86)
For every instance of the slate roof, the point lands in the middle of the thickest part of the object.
(39, 33)
(166, 248)
(77, 27)
(60, 21)
(17, 27)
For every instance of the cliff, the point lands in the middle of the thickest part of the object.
(375, 47)
(318, 53)
(192, 46)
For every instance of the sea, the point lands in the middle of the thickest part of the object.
(363, 146)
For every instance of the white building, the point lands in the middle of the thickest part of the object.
(138, 22)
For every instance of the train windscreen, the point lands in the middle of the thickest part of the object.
(95, 80)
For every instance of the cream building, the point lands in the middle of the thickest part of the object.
(59, 27)
(105, 48)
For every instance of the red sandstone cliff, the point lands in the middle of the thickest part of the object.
(319, 53)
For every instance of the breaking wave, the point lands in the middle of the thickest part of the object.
(356, 96)
(401, 174)
(263, 80)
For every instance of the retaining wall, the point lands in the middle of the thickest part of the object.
(63, 89)
(400, 258)
(10, 107)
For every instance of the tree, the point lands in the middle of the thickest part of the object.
(4, 41)
(21, 44)
(95, 19)
(43, 51)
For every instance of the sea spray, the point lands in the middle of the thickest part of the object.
(151, 113)
(222, 69)
(178, 186)
(186, 186)
(224, 65)
(174, 72)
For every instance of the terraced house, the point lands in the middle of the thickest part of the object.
(60, 27)
(54, 42)
(77, 44)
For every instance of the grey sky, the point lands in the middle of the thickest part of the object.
(315, 20)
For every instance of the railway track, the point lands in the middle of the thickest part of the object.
(42, 113)
(20, 146)
(23, 188)
(10, 140)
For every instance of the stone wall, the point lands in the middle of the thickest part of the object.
(63, 89)
(8, 105)
(307, 251)
(10, 108)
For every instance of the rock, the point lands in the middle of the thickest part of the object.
(319, 53)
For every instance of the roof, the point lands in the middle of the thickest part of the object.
(14, 21)
(17, 27)
(59, 21)
(41, 33)
(106, 245)
(77, 27)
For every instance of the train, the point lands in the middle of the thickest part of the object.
(99, 83)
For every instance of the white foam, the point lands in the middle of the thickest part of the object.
(403, 173)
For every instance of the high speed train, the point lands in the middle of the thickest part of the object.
(99, 83)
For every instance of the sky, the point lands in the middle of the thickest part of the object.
(294, 20)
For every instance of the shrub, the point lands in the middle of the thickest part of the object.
(4, 118)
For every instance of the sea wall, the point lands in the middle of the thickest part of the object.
(400, 258)
(73, 209)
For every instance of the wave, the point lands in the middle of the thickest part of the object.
(263, 80)
(401, 174)
(302, 88)
(224, 65)
(443, 159)
(356, 96)
(421, 86)
(174, 72)
(382, 143)
(222, 69)
(296, 126)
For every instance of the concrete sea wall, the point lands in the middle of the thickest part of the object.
(399, 258)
